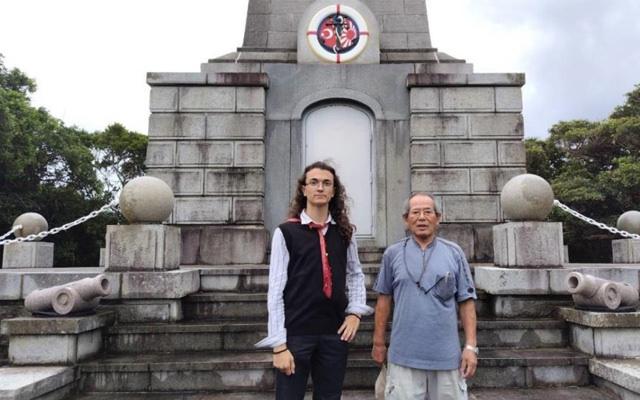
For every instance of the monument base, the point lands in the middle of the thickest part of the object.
(626, 251)
(28, 255)
(150, 247)
(528, 244)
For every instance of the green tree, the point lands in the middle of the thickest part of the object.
(49, 168)
(594, 167)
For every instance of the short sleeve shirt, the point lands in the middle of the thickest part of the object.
(424, 334)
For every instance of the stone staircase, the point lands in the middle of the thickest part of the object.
(210, 354)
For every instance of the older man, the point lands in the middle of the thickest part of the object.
(429, 282)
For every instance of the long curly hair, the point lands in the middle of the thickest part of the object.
(337, 205)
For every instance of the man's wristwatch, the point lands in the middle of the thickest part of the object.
(472, 348)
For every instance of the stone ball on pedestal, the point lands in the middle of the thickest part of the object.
(32, 223)
(146, 200)
(630, 222)
(527, 197)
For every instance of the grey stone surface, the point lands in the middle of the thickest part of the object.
(249, 154)
(199, 210)
(183, 126)
(625, 373)
(558, 277)
(432, 126)
(10, 286)
(619, 392)
(477, 208)
(181, 181)
(54, 349)
(439, 181)
(159, 285)
(191, 154)
(160, 154)
(496, 125)
(217, 67)
(626, 251)
(511, 153)
(628, 221)
(248, 210)
(207, 99)
(461, 99)
(58, 325)
(492, 180)
(142, 247)
(425, 100)
(508, 99)
(602, 320)
(31, 223)
(505, 281)
(136, 311)
(232, 245)
(163, 99)
(528, 244)
(250, 100)
(234, 181)
(527, 306)
(176, 78)
(394, 40)
(426, 154)
(476, 153)
(28, 255)
(146, 199)
(75, 297)
(235, 126)
(26, 383)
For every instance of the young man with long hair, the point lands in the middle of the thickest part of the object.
(316, 289)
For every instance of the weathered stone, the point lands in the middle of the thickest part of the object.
(248, 210)
(30, 224)
(205, 153)
(234, 180)
(176, 78)
(527, 306)
(78, 296)
(146, 199)
(160, 285)
(183, 126)
(163, 99)
(418, 41)
(160, 154)
(626, 251)
(425, 154)
(468, 99)
(457, 208)
(281, 40)
(54, 349)
(590, 292)
(233, 245)
(506, 281)
(438, 181)
(34, 382)
(56, 326)
(595, 319)
(461, 234)
(511, 153)
(200, 210)
(10, 286)
(628, 221)
(558, 277)
(250, 100)
(211, 99)
(142, 247)
(249, 154)
(393, 41)
(181, 181)
(527, 197)
(492, 180)
(528, 244)
(496, 125)
(238, 79)
(447, 126)
(136, 311)
(235, 126)
(470, 153)
(218, 67)
(508, 99)
(405, 23)
(625, 373)
(28, 255)
(424, 100)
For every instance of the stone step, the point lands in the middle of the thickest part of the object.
(252, 371)
(39, 382)
(346, 395)
(241, 335)
(621, 376)
(557, 393)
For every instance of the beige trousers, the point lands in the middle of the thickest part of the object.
(415, 384)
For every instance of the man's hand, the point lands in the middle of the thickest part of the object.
(468, 364)
(379, 353)
(284, 361)
(349, 328)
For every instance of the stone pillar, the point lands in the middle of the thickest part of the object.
(626, 251)
(28, 255)
(466, 143)
(207, 133)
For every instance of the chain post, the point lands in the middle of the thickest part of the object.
(591, 221)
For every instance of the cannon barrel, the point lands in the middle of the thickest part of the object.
(80, 295)
(589, 291)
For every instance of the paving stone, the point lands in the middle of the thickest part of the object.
(26, 383)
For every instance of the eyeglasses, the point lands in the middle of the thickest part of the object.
(427, 212)
(316, 184)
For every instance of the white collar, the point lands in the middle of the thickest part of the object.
(305, 219)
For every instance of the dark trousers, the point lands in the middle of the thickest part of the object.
(325, 356)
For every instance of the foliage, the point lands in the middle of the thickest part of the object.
(593, 167)
(48, 168)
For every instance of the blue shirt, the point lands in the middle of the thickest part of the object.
(424, 334)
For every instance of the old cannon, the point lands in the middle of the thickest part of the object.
(74, 297)
(592, 293)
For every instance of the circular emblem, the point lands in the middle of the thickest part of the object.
(337, 33)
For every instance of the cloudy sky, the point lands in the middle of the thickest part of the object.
(90, 58)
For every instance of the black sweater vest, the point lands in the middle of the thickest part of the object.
(307, 310)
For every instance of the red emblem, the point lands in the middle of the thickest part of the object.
(338, 33)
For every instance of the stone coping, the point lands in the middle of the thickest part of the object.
(252, 269)
(240, 79)
(434, 80)
(625, 373)
(547, 281)
(57, 325)
(595, 319)
(26, 383)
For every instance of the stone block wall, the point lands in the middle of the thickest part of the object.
(206, 140)
(466, 143)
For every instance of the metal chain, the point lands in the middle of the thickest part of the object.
(13, 229)
(594, 222)
(111, 206)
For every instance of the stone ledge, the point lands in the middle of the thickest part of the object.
(56, 325)
(436, 80)
(258, 79)
(25, 383)
(625, 373)
(601, 319)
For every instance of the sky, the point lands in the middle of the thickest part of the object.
(90, 57)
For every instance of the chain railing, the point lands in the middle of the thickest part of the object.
(11, 232)
(111, 206)
(594, 222)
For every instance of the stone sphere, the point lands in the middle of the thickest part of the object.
(630, 222)
(527, 197)
(32, 223)
(146, 200)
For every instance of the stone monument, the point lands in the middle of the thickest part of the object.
(34, 254)
(627, 250)
(355, 82)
